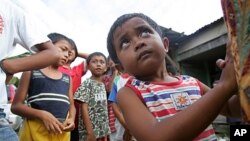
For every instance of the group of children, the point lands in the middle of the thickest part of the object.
(50, 111)
(148, 103)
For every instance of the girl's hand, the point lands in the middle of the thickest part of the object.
(51, 123)
(220, 63)
(228, 75)
(69, 124)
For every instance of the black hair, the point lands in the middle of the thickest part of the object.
(55, 37)
(95, 54)
(121, 20)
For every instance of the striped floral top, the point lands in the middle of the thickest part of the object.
(166, 99)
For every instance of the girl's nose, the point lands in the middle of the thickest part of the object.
(66, 54)
(139, 43)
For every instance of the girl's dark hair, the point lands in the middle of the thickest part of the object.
(55, 37)
(95, 54)
(121, 20)
(74, 47)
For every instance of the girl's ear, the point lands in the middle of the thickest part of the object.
(166, 43)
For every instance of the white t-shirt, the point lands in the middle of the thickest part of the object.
(17, 27)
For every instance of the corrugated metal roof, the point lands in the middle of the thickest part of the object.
(207, 26)
(176, 38)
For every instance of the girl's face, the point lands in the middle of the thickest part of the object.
(139, 48)
(97, 65)
(64, 48)
(72, 55)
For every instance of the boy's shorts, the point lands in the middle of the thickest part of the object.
(35, 130)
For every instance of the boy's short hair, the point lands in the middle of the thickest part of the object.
(119, 22)
(95, 54)
(55, 37)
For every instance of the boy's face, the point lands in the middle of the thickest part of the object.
(97, 65)
(139, 47)
(64, 48)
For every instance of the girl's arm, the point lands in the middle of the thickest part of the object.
(69, 123)
(87, 122)
(231, 108)
(83, 55)
(144, 126)
(18, 107)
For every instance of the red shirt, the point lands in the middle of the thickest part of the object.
(75, 73)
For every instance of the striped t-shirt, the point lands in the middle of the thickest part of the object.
(166, 99)
(49, 94)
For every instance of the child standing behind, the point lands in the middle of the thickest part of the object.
(93, 124)
(158, 106)
(51, 112)
(121, 134)
(107, 79)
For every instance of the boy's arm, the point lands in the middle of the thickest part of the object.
(18, 107)
(72, 110)
(69, 123)
(143, 124)
(35, 61)
(87, 121)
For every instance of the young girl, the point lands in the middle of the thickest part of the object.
(107, 79)
(155, 105)
(50, 112)
(121, 134)
(93, 124)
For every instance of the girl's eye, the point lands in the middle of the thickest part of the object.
(63, 48)
(124, 43)
(70, 53)
(145, 33)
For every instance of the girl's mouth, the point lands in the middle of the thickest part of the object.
(144, 54)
